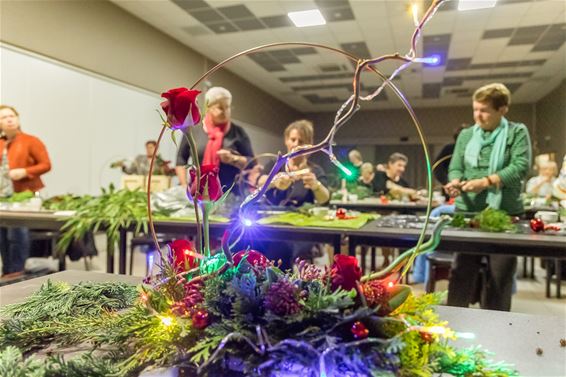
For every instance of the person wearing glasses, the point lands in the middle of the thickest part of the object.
(219, 140)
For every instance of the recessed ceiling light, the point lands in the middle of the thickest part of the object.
(475, 4)
(304, 18)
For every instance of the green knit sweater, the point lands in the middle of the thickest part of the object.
(515, 169)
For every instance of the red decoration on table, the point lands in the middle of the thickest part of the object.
(383, 199)
(255, 258)
(183, 255)
(341, 213)
(537, 225)
(359, 330)
(426, 336)
(345, 272)
(553, 227)
(200, 319)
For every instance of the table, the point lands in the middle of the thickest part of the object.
(375, 205)
(38, 220)
(467, 241)
(513, 337)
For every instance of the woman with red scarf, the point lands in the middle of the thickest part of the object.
(220, 141)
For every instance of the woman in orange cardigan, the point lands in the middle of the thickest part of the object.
(23, 160)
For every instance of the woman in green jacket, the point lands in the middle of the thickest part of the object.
(490, 162)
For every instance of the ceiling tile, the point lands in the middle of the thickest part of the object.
(207, 15)
(251, 24)
(236, 12)
(222, 27)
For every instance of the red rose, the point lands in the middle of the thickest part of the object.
(184, 255)
(345, 272)
(208, 176)
(255, 258)
(181, 107)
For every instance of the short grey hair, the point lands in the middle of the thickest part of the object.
(217, 93)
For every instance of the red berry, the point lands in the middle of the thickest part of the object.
(200, 319)
(359, 330)
(537, 225)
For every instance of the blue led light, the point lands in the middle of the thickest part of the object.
(247, 222)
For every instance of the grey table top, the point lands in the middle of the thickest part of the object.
(513, 337)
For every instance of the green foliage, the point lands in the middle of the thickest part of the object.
(12, 364)
(494, 220)
(111, 211)
(54, 311)
(472, 362)
(203, 349)
(459, 221)
(66, 202)
(18, 197)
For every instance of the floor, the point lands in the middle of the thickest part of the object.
(530, 297)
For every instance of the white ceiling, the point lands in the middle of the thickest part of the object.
(514, 51)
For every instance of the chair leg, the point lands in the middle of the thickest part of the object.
(373, 251)
(132, 250)
(363, 255)
(558, 273)
(429, 288)
(525, 272)
(548, 278)
(532, 275)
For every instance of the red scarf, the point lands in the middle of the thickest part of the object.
(215, 134)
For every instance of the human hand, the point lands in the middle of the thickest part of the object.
(225, 156)
(17, 174)
(282, 182)
(309, 181)
(475, 185)
(453, 188)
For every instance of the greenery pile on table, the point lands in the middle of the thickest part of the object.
(489, 220)
(250, 319)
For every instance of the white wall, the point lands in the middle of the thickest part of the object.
(86, 120)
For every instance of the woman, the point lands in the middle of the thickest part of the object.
(141, 163)
(356, 160)
(541, 185)
(490, 162)
(391, 181)
(220, 141)
(23, 160)
(300, 181)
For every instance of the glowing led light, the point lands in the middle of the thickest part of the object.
(341, 166)
(167, 321)
(475, 4)
(390, 284)
(431, 60)
(311, 17)
(187, 252)
(247, 222)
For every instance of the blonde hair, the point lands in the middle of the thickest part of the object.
(216, 94)
(304, 128)
(495, 94)
(366, 167)
(354, 153)
(2, 107)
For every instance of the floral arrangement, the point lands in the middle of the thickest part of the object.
(226, 313)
